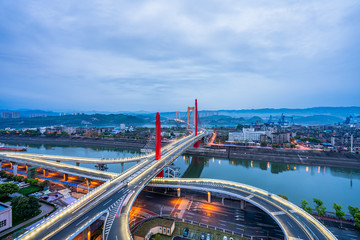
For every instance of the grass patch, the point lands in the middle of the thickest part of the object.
(28, 190)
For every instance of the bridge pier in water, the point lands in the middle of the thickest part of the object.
(77, 163)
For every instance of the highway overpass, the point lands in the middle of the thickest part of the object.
(111, 197)
(294, 221)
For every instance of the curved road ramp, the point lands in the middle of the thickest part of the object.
(294, 221)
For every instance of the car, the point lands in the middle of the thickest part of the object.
(202, 236)
(231, 238)
(186, 232)
(208, 236)
(225, 238)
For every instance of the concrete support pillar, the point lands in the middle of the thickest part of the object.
(66, 177)
(178, 192)
(15, 166)
(242, 204)
(88, 182)
(26, 168)
(209, 197)
(77, 163)
(222, 201)
(122, 167)
(46, 172)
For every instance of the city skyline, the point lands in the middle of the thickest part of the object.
(159, 56)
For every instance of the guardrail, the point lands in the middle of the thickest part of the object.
(280, 201)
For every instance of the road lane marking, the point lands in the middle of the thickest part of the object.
(81, 221)
(107, 202)
(278, 213)
(250, 196)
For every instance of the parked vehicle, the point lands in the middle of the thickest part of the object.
(186, 232)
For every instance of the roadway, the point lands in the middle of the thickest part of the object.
(60, 167)
(193, 206)
(294, 222)
(110, 198)
(83, 159)
(116, 197)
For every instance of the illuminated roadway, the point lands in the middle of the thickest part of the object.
(115, 198)
(83, 159)
(59, 167)
(109, 197)
(294, 222)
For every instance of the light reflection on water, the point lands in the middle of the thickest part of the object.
(297, 182)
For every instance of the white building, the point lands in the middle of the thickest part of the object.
(122, 126)
(247, 135)
(5, 217)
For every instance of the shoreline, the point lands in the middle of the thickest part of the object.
(309, 158)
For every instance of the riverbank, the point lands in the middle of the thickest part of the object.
(123, 143)
(287, 156)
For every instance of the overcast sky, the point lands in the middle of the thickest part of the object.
(160, 55)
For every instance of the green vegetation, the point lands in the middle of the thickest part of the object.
(353, 210)
(284, 197)
(339, 213)
(68, 120)
(304, 205)
(357, 219)
(320, 208)
(24, 208)
(28, 190)
(8, 188)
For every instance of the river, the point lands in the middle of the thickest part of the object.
(297, 182)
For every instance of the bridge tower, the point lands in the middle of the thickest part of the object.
(196, 145)
(188, 115)
(158, 142)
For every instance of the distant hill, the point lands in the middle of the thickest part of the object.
(318, 119)
(73, 120)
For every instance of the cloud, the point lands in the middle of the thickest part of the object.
(159, 55)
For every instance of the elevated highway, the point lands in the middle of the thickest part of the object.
(110, 198)
(79, 160)
(294, 222)
(59, 167)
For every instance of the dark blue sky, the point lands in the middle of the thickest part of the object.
(160, 55)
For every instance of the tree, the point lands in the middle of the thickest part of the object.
(353, 210)
(8, 188)
(44, 183)
(319, 207)
(357, 219)
(284, 197)
(33, 181)
(25, 207)
(339, 213)
(304, 205)
(18, 178)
